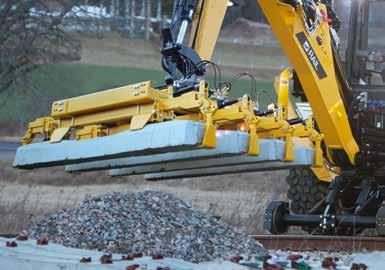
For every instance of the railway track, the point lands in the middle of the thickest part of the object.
(321, 243)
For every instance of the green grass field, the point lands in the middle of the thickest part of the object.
(53, 82)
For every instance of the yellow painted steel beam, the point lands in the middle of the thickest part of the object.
(206, 26)
(106, 117)
(189, 102)
(282, 87)
(136, 94)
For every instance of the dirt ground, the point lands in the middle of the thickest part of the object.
(238, 199)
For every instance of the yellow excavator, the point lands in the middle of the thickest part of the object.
(333, 141)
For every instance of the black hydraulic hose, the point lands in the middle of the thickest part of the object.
(186, 89)
(263, 113)
(295, 121)
(224, 103)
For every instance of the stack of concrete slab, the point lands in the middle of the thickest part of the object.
(163, 151)
(270, 159)
(229, 143)
(158, 138)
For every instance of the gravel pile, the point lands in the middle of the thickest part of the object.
(148, 222)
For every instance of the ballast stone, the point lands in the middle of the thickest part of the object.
(145, 222)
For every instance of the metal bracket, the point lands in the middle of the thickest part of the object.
(380, 221)
(44, 126)
(289, 145)
(207, 108)
(318, 153)
(90, 132)
(253, 141)
(139, 121)
(58, 134)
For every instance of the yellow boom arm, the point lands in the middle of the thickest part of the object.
(312, 57)
(207, 25)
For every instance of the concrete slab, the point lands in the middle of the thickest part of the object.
(166, 137)
(229, 143)
(304, 158)
(271, 150)
(258, 167)
(28, 256)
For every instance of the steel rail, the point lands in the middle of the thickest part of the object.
(321, 243)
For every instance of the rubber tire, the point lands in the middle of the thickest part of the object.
(305, 191)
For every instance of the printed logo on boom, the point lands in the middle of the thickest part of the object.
(311, 56)
(310, 53)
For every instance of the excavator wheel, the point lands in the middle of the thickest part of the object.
(305, 192)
